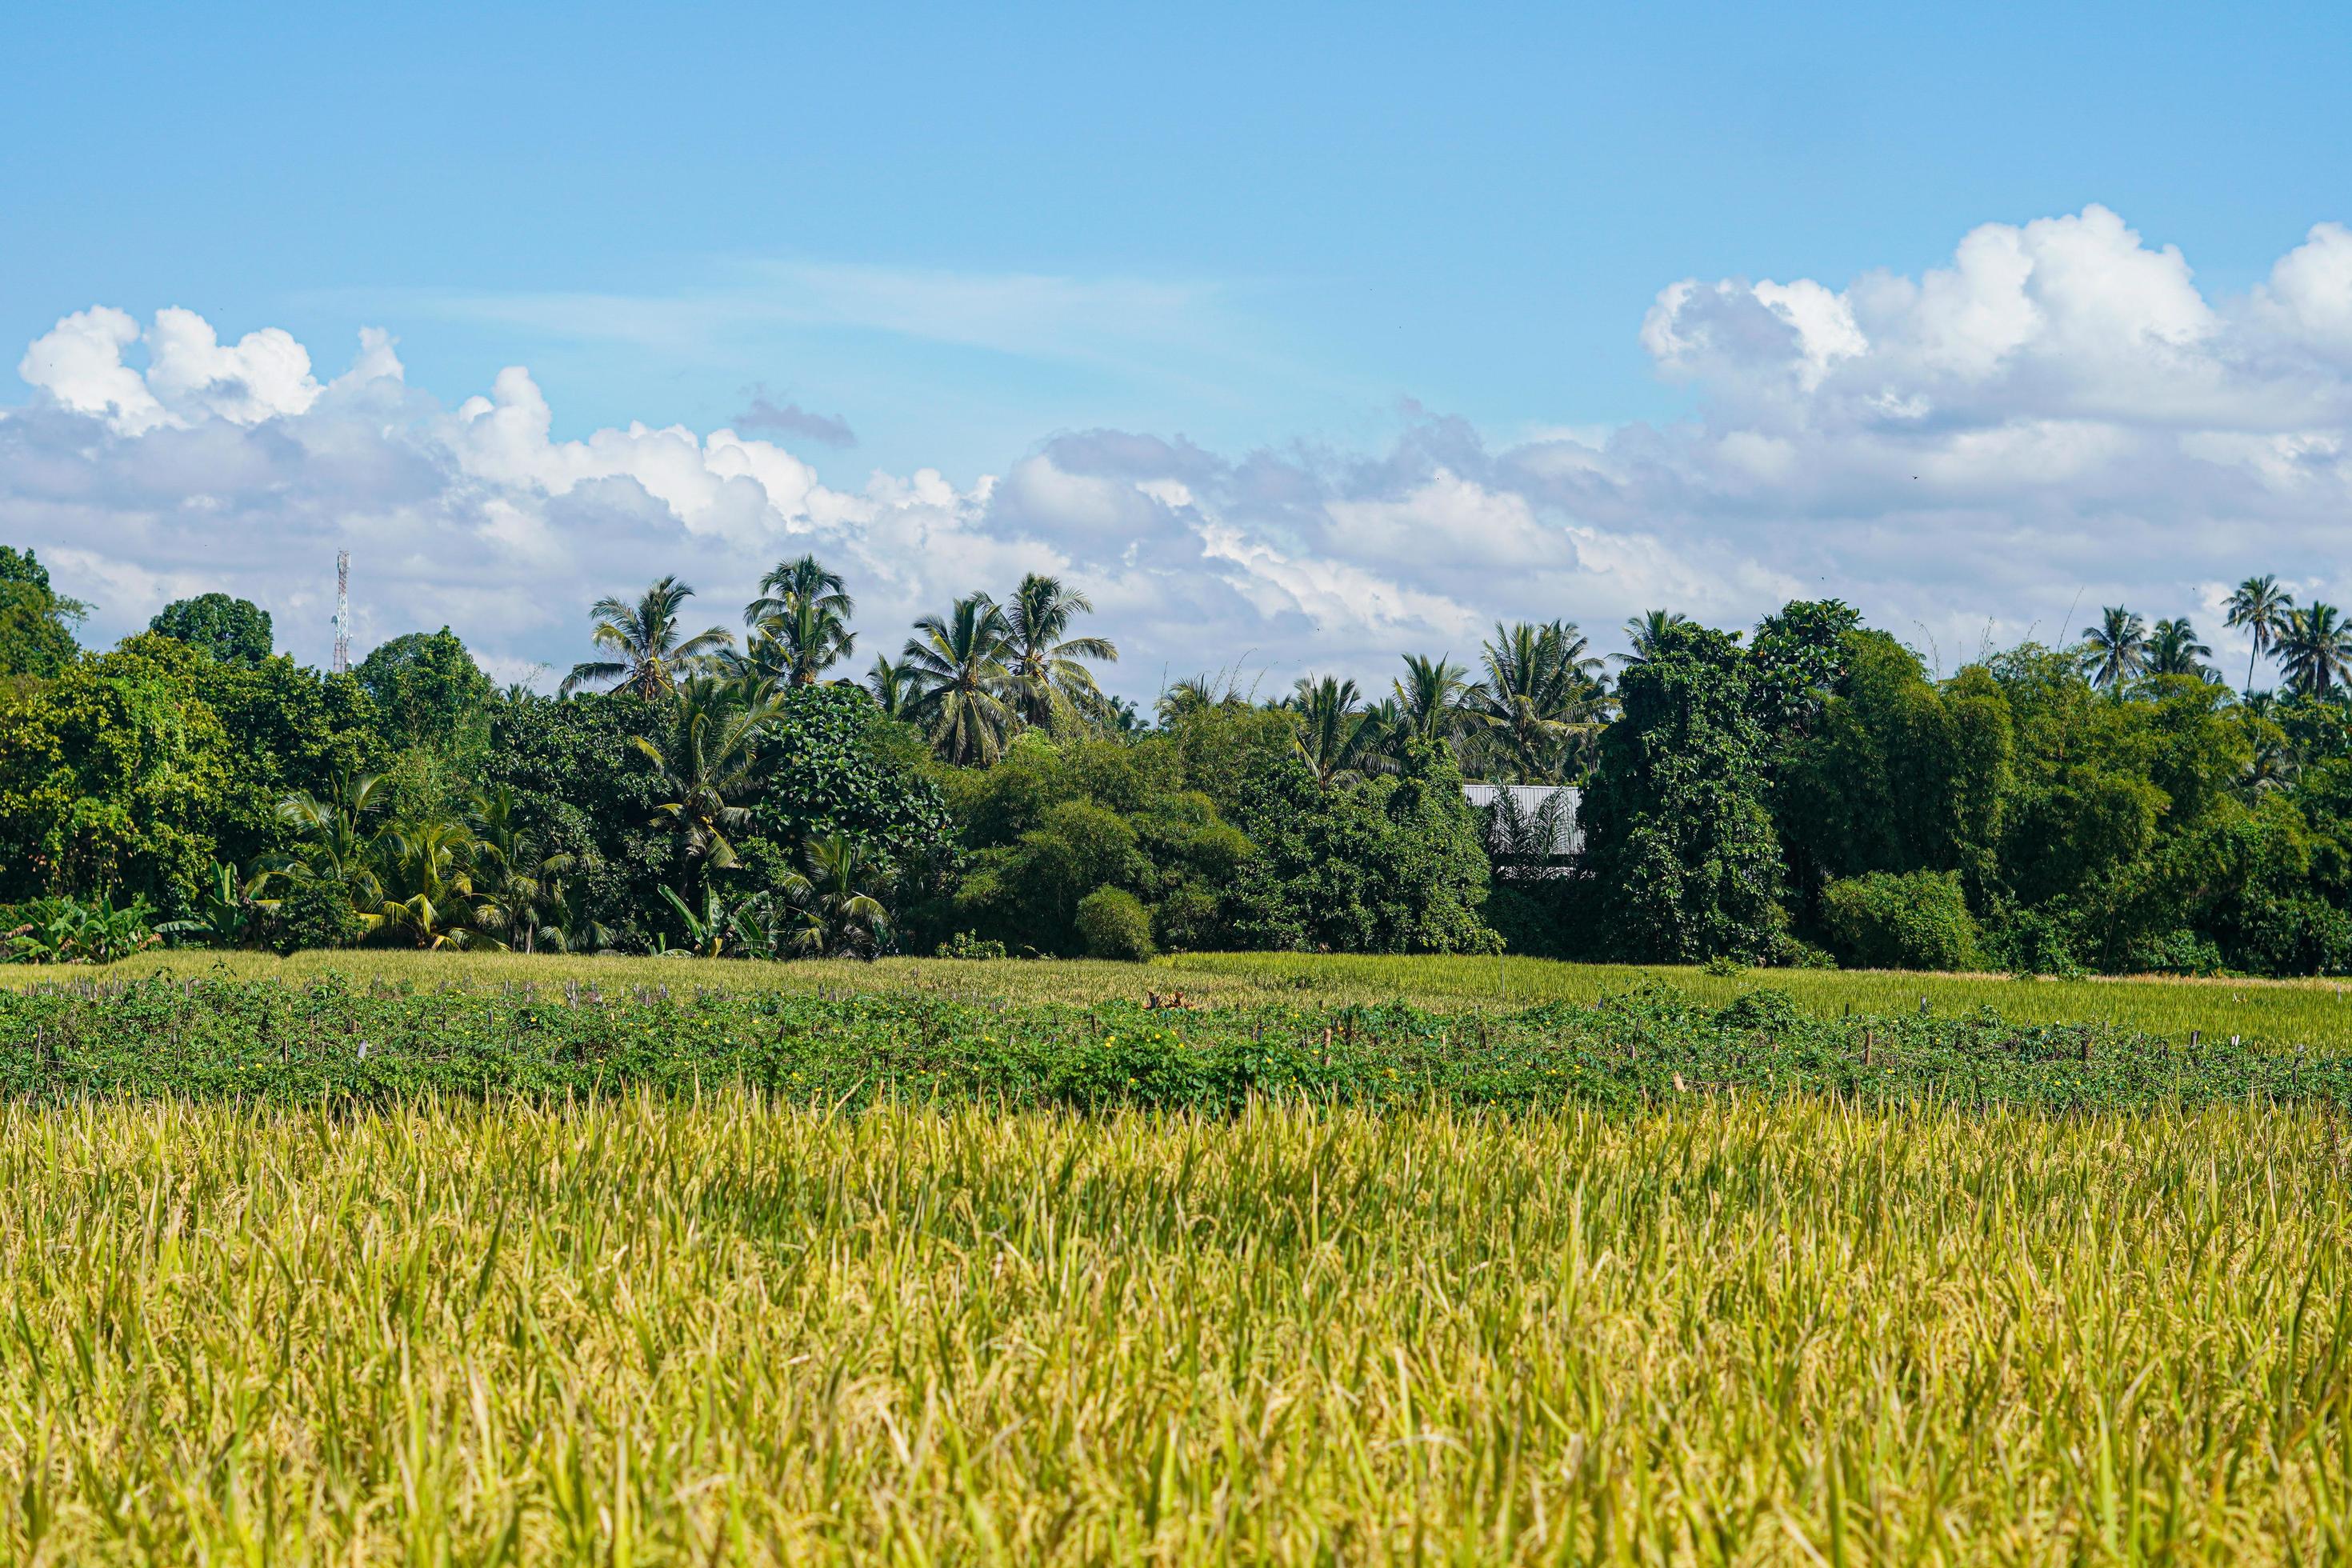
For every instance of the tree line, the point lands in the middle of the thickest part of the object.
(1802, 790)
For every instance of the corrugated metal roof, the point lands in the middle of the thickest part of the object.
(1566, 839)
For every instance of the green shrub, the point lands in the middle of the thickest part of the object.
(1113, 923)
(963, 945)
(315, 914)
(1918, 920)
(1188, 919)
(1765, 1010)
(2175, 952)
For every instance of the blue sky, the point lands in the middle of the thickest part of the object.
(964, 236)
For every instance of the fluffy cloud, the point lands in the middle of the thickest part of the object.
(2061, 416)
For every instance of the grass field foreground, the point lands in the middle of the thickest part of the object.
(653, 1331)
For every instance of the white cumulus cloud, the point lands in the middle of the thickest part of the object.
(2059, 416)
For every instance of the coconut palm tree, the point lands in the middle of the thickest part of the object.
(1540, 695)
(1429, 700)
(650, 655)
(724, 927)
(800, 622)
(963, 661)
(2315, 650)
(1195, 692)
(1052, 686)
(339, 835)
(829, 910)
(2117, 649)
(2259, 608)
(425, 874)
(1650, 633)
(570, 927)
(518, 882)
(2173, 649)
(710, 763)
(894, 687)
(1335, 734)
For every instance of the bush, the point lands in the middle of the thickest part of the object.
(2035, 942)
(2175, 952)
(1113, 923)
(963, 945)
(1395, 864)
(1188, 919)
(316, 913)
(1918, 920)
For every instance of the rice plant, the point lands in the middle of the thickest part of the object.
(649, 1330)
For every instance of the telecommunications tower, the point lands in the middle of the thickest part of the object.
(343, 611)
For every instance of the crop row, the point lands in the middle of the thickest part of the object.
(266, 1041)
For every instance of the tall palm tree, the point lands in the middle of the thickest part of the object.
(831, 911)
(1650, 632)
(800, 622)
(518, 882)
(2173, 649)
(339, 833)
(425, 872)
(650, 654)
(1051, 684)
(1429, 700)
(711, 765)
(1334, 732)
(1196, 693)
(2117, 649)
(2259, 608)
(2315, 650)
(1539, 696)
(894, 687)
(964, 663)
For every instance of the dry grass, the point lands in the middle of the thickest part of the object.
(661, 1332)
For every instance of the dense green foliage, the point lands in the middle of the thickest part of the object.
(1803, 795)
(429, 690)
(1113, 923)
(262, 1040)
(1916, 920)
(136, 771)
(2090, 815)
(234, 631)
(1054, 822)
(1677, 834)
(1391, 865)
(35, 624)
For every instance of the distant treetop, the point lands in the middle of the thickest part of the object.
(235, 631)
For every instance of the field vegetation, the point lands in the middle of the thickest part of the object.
(724, 1329)
(2274, 1014)
(1797, 794)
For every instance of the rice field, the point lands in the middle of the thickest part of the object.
(2310, 1013)
(2275, 1012)
(644, 1331)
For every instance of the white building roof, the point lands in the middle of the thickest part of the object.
(1566, 839)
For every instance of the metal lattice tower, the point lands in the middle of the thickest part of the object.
(343, 611)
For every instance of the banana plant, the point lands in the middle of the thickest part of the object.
(229, 911)
(721, 929)
(66, 930)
